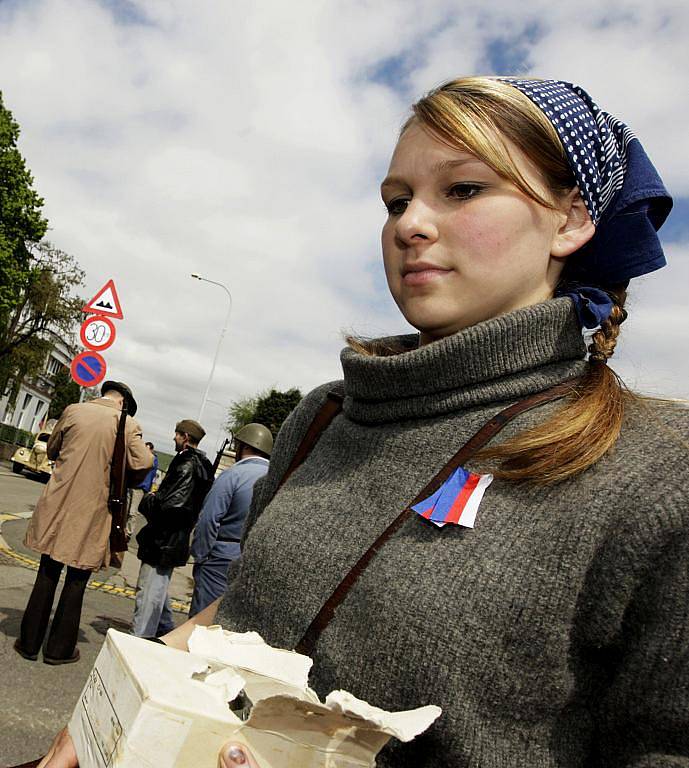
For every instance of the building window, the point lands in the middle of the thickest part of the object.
(37, 415)
(54, 365)
(27, 401)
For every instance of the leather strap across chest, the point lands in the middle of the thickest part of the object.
(330, 409)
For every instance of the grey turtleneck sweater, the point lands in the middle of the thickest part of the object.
(554, 633)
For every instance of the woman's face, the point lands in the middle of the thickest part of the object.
(461, 244)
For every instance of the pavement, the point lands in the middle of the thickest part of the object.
(37, 699)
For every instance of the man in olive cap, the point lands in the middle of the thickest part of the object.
(218, 531)
(71, 523)
(171, 513)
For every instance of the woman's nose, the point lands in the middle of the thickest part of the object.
(416, 224)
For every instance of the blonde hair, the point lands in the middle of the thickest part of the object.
(477, 115)
(466, 113)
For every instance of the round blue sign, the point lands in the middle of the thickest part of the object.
(88, 369)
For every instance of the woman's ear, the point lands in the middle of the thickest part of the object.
(576, 229)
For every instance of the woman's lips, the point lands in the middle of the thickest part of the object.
(423, 276)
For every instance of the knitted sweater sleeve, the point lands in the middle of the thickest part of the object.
(286, 445)
(644, 714)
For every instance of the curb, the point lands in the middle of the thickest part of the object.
(102, 586)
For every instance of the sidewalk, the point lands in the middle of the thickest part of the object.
(14, 520)
(117, 582)
(37, 699)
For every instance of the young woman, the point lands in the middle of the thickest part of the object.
(538, 590)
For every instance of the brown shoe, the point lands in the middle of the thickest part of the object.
(24, 654)
(54, 662)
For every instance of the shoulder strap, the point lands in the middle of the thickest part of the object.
(308, 642)
(321, 421)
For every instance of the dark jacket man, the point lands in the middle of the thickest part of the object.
(172, 511)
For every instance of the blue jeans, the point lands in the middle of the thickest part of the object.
(152, 612)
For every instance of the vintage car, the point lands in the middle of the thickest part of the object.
(35, 459)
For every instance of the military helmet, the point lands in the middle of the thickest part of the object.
(256, 436)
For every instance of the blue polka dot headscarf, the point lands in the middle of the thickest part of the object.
(621, 189)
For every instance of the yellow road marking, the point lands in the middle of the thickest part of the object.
(103, 586)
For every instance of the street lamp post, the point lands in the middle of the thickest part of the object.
(222, 336)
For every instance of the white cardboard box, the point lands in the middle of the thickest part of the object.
(149, 706)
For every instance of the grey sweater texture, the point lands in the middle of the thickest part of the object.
(553, 633)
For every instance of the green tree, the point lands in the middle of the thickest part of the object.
(43, 305)
(36, 280)
(21, 219)
(241, 412)
(65, 392)
(272, 409)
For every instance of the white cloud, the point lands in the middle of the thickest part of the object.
(652, 354)
(246, 141)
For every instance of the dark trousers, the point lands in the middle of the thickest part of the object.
(64, 630)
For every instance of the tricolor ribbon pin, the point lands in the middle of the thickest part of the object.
(456, 501)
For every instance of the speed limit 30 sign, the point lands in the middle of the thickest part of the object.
(97, 332)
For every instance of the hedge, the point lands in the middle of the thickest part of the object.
(10, 434)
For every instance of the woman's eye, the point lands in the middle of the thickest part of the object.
(397, 206)
(464, 191)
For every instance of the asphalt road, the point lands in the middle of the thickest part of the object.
(37, 699)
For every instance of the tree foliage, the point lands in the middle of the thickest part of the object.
(44, 305)
(66, 391)
(270, 408)
(241, 413)
(36, 279)
(45, 301)
(21, 220)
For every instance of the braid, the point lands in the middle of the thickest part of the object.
(584, 429)
(604, 341)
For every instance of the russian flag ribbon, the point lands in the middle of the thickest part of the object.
(456, 501)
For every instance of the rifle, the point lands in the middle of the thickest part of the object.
(219, 454)
(117, 500)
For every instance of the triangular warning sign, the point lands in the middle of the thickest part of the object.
(105, 302)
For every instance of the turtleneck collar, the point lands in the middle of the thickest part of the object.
(502, 359)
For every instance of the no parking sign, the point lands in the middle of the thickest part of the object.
(88, 369)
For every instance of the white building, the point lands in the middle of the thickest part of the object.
(35, 394)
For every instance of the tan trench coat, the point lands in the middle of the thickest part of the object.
(71, 522)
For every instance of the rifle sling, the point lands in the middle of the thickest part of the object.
(325, 416)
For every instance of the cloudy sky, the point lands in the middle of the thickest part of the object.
(246, 142)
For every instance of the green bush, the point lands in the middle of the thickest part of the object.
(9, 434)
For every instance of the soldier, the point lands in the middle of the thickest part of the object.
(71, 523)
(218, 531)
(164, 541)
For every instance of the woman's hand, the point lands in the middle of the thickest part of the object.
(233, 755)
(61, 754)
(179, 637)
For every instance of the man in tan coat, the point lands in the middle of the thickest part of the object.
(71, 523)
